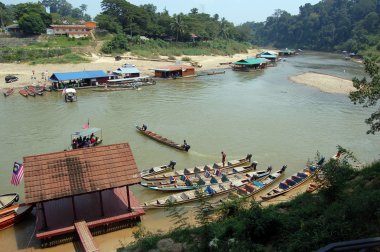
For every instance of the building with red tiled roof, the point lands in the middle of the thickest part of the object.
(73, 30)
(88, 184)
(174, 71)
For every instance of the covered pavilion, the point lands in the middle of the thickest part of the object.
(82, 192)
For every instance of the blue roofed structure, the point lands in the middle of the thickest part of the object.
(81, 79)
(58, 77)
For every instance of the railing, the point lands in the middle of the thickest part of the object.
(362, 245)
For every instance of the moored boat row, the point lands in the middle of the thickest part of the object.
(200, 169)
(294, 180)
(186, 182)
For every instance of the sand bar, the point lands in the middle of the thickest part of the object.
(325, 83)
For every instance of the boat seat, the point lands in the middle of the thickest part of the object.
(161, 202)
(233, 162)
(184, 196)
(188, 171)
(217, 165)
(198, 169)
(208, 168)
(249, 187)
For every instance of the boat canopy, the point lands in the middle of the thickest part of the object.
(70, 90)
(86, 132)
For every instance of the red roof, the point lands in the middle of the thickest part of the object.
(68, 26)
(62, 174)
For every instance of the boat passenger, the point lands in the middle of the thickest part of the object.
(144, 127)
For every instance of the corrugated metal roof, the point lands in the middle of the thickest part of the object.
(78, 75)
(250, 61)
(62, 174)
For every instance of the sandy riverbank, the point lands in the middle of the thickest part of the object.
(325, 83)
(25, 71)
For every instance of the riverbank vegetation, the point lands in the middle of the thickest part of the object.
(346, 25)
(45, 49)
(347, 208)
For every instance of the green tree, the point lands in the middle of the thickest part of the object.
(368, 93)
(178, 26)
(83, 8)
(32, 24)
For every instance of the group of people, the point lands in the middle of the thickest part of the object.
(84, 142)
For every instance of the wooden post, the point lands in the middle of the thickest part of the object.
(44, 216)
(129, 201)
(73, 204)
(101, 204)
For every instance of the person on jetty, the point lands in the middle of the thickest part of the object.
(223, 157)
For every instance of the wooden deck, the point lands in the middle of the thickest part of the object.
(60, 216)
(85, 237)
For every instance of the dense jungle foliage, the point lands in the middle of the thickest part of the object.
(345, 25)
(346, 209)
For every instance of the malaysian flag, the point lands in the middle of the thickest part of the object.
(18, 173)
(86, 125)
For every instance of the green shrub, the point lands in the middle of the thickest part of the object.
(186, 59)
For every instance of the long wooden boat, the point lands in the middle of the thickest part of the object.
(23, 92)
(157, 169)
(201, 180)
(30, 92)
(35, 90)
(7, 200)
(253, 187)
(8, 91)
(201, 169)
(162, 139)
(13, 214)
(196, 194)
(294, 181)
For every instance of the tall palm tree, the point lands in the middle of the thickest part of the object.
(83, 8)
(178, 26)
(224, 29)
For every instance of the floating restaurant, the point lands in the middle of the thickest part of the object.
(174, 71)
(79, 79)
(82, 192)
(249, 64)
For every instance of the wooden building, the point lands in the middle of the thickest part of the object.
(249, 64)
(72, 30)
(174, 71)
(84, 191)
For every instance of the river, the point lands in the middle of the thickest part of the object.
(262, 113)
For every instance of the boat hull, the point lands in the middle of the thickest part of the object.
(13, 214)
(7, 200)
(161, 139)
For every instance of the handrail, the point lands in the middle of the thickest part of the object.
(352, 245)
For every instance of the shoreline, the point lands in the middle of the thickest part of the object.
(324, 82)
(25, 71)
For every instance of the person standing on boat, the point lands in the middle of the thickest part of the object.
(223, 157)
(144, 127)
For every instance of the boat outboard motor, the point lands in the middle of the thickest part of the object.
(249, 156)
(172, 164)
(254, 165)
(283, 168)
(187, 147)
